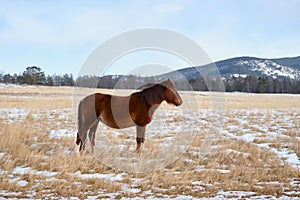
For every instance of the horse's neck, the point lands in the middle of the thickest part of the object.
(153, 109)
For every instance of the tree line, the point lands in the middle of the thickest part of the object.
(254, 84)
(248, 84)
(34, 75)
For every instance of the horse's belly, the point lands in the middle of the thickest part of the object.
(117, 120)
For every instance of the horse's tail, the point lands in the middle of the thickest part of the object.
(79, 115)
(79, 120)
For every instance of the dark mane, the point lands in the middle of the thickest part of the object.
(153, 94)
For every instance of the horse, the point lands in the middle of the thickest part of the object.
(121, 112)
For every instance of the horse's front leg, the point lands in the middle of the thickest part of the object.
(140, 137)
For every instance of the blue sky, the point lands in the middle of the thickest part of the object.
(59, 35)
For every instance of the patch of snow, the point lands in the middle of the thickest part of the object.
(293, 193)
(289, 156)
(269, 183)
(2, 154)
(197, 183)
(2, 85)
(239, 75)
(61, 133)
(111, 177)
(189, 160)
(130, 190)
(117, 177)
(21, 170)
(239, 194)
(248, 137)
(22, 183)
(4, 193)
(13, 114)
(14, 179)
(2, 172)
(45, 173)
(223, 171)
(184, 197)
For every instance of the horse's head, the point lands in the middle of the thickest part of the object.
(170, 93)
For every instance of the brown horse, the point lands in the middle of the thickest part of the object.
(122, 112)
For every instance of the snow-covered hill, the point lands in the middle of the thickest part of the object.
(264, 67)
(273, 68)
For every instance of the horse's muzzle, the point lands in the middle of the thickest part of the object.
(178, 103)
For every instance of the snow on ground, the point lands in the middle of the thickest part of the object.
(110, 177)
(11, 115)
(247, 125)
(61, 133)
(3, 86)
(161, 127)
(262, 130)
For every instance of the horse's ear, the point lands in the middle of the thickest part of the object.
(168, 83)
(153, 95)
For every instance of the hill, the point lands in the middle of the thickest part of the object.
(292, 61)
(279, 68)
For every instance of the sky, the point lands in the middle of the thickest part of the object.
(59, 36)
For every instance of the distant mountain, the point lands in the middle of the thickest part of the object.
(259, 67)
(292, 62)
(275, 68)
(241, 74)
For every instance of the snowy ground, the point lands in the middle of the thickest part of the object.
(274, 132)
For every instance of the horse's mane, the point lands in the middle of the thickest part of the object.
(154, 94)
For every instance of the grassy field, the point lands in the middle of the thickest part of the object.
(253, 150)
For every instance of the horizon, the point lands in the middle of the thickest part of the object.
(143, 75)
(58, 37)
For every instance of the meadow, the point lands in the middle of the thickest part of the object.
(237, 146)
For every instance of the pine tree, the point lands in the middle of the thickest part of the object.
(34, 76)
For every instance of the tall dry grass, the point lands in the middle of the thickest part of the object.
(232, 165)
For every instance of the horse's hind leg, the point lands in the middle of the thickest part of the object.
(92, 133)
(81, 137)
(83, 141)
(79, 146)
(90, 126)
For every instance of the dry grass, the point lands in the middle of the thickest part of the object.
(261, 101)
(232, 165)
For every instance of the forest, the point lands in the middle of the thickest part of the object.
(247, 84)
(34, 75)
